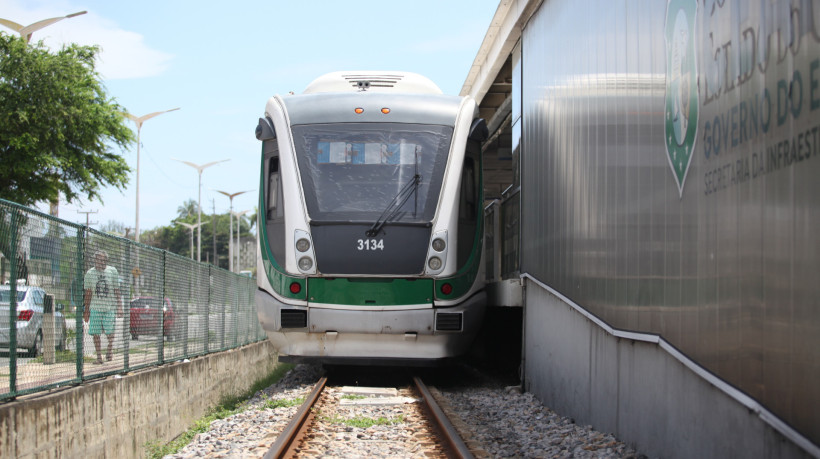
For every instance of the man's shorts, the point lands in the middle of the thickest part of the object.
(101, 322)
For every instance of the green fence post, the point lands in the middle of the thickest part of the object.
(125, 297)
(208, 312)
(186, 315)
(223, 309)
(13, 304)
(235, 288)
(79, 299)
(161, 347)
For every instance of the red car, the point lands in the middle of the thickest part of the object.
(146, 313)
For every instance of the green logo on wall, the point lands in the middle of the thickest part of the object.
(681, 87)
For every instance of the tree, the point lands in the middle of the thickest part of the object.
(187, 208)
(176, 238)
(114, 227)
(56, 125)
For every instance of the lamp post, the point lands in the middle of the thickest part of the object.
(138, 120)
(27, 31)
(238, 216)
(191, 227)
(230, 226)
(199, 169)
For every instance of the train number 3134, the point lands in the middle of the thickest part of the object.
(370, 244)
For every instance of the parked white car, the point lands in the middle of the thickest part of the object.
(29, 320)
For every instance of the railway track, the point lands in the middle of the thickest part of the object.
(334, 416)
(494, 418)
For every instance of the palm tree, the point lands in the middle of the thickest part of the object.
(189, 207)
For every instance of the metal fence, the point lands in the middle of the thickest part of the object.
(501, 236)
(161, 307)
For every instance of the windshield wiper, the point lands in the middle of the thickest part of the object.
(395, 205)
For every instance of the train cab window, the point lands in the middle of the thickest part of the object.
(356, 172)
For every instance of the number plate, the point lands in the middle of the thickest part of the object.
(370, 244)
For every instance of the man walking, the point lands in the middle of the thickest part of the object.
(102, 302)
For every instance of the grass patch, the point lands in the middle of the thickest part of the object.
(63, 357)
(71, 356)
(365, 422)
(228, 406)
(281, 403)
(353, 397)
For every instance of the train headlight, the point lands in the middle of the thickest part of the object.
(439, 244)
(434, 263)
(437, 253)
(303, 253)
(305, 263)
(302, 245)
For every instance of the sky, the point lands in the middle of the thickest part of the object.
(221, 62)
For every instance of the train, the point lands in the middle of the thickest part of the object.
(370, 240)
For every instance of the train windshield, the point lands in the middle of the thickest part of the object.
(356, 172)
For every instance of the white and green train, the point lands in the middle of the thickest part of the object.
(370, 221)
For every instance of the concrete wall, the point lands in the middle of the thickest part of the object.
(116, 417)
(642, 389)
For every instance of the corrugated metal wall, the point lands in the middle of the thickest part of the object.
(727, 268)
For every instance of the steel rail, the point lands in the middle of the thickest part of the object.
(451, 436)
(289, 438)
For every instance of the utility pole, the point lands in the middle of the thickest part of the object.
(87, 212)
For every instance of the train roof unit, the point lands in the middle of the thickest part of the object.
(373, 81)
(372, 97)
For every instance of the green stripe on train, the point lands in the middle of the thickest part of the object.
(370, 291)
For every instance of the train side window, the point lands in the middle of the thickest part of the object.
(467, 209)
(274, 210)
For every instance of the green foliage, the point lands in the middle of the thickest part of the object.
(56, 124)
(363, 422)
(228, 406)
(63, 357)
(187, 209)
(177, 238)
(275, 403)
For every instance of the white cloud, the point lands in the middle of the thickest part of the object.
(123, 54)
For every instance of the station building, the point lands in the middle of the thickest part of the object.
(652, 207)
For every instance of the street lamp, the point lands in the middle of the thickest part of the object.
(230, 225)
(27, 31)
(191, 227)
(199, 169)
(238, 216)
(138, 120)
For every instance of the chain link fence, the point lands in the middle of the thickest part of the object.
(78, 304)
